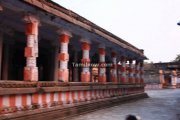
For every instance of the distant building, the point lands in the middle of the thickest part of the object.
(166, 74)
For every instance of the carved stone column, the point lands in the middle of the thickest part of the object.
(63, 72)
(85, 74)
(102, 68)
(31, 50)
(114, 68)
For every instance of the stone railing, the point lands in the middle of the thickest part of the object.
(20, 96)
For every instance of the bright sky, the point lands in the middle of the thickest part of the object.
(147, 24)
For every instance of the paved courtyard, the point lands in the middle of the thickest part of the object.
(162, 105)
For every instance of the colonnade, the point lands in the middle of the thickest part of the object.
(120, 71)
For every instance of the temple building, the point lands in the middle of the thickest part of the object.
(166, 74)
(51, 56)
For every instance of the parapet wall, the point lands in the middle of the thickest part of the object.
(24, 96)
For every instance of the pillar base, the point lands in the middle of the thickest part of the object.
(85, 77)
(63, 75)
(30, 74)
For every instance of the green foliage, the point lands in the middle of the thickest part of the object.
(177, 59)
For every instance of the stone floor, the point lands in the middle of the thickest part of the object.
(162, 105)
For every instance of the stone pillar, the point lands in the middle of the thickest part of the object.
(161, 77)
(75, 68)
(31, 50)
(102, 67)
(114, 68)
(137, 72)
(123, 69)
(141, 72)
(119, 72)
(63, 72)
(173, 79)
(131, 74)
(1, 52)
(85, 74)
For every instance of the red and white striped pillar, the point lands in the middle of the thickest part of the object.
(131, 74)
(119, 72)
(114, 67)
(31, 50)
(137, 72)
(102, 68)
(123, 69)
(63, 72)
(141, 72)
(85, 74)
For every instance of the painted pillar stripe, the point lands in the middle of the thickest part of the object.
(6, 101)
(18, 101)
(56, 97)
(82, 96)
(93, 95)
(67, 96)
(35, 98)
(79, 96)
(1, 101)
(24, 100)
(51, 97)
(12, 100)
(44, 98)
(76, 96)
(48, 98)
(73, 96)
(60, 96)
(39, 99)
(63, 96)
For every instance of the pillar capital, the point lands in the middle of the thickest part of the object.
(102, 51)
(85, 40)
(29, 18)
(64, 32)
(86, 45)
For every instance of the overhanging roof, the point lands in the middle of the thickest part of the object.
(57, 17)
(74, 18)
